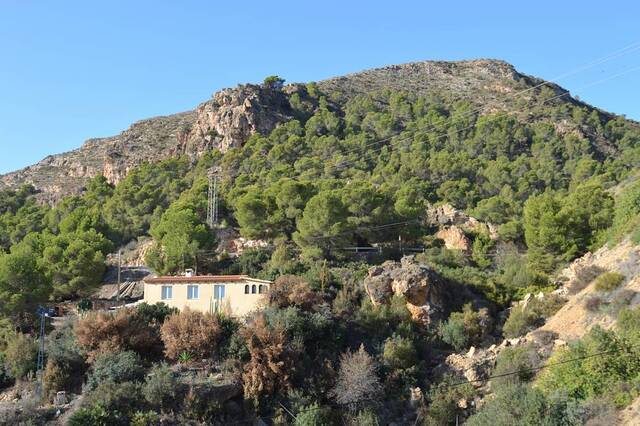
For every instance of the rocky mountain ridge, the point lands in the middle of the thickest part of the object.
(234, 114)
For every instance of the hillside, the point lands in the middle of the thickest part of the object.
(232, 115)
(440, 249)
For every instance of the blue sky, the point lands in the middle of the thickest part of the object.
(74, 70)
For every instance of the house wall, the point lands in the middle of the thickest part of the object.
(235, 298)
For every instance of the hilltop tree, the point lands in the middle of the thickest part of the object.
(273, 82)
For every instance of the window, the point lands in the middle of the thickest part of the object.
(261, 289)
(253, 289)
(167, 292)
(193, 292)
(218, 292)
(246, 289)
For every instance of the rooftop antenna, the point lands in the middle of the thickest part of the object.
(212, 207)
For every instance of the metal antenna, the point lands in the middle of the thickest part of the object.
(212, 207)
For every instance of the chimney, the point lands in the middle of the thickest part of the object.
(188, 272)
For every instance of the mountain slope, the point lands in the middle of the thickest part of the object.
(233, 115)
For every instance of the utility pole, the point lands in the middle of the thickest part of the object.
(212, 206)
(119, 272)
(42, 312)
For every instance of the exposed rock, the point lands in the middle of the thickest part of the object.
(454, 238)
(238, 245)
(454, 222)
(471, 352)
(234, 115)
(421, 287)
(378, 283)
(475, 369)
(574, 319)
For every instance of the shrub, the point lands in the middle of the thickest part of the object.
(145, 418)
(595, 376)
(520, 321)
(271, 360)
(115, 367)
(55, 378)
(609, 281)
(444, 401)
(366, 418)
(593, 303)
(120, 400)
(192, 332)
(62, 347)
(232, 343)
(21, 355)
(357, 383)
(453, 333)
(101, 332)
(629, 324)
(95, 415)
(517, 405)
(154, 315)
(160, 388)
(65, 363)
(6, 379)
(315, 414)
(202, 404)
(399, 353)
(520, 359)
(465, 328)
(291, 290)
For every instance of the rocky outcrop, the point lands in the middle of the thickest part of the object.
(587, 307)
(423, 289)
(234, 115)
(454, 238)
(454, 222)
(227, 120)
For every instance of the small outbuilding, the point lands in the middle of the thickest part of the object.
(236, 295)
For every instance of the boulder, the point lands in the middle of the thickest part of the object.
(475, 368)
(421, 287)
(454, 238)
(446, 216)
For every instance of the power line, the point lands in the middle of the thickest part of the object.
(344, 163)
(466, 382)
(621, 52)
(534, 369)
(624, 51)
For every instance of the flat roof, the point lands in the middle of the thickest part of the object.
(168, 279)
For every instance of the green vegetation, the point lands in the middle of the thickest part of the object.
(465, 328)
(613, 376)
(346, 172)
(609, 281)
(523, 319)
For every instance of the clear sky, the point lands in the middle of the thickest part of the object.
(71, 70)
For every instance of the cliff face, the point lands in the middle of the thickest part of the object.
(233, 115)
(225, 121)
